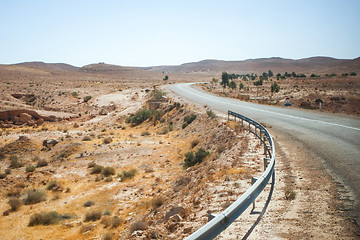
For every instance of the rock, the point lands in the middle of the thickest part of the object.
(40, 121)
(175, 218)
(187, 230)
(173, 211)
(25, 118)
(50, 143)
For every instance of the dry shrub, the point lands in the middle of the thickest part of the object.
(116, 221)
(107, 140)
(89, 203)
(107, 171)
(86, 138)
(30, 168)
(93, 216)
(34, 196)
(108, 236)
(45, 218)
(52, 185)
(127, 174)
(41, 163)
(138, 226)
(158, 202)
(96, 169)
(290, 195)
(15, 204)
(106, 221)
(194, 143)
(87, 228)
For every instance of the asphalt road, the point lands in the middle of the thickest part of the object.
(335, 139)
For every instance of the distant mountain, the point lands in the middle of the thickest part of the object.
(48, 66)
(275, 64)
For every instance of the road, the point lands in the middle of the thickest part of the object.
(334, 139)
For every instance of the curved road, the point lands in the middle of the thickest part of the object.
(336, 140)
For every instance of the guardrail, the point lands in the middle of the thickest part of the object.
(220, 222)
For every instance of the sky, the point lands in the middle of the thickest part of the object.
(151, 33)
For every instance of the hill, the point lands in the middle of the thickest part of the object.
(276, 64)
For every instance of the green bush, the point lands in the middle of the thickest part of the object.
(139, 117)
(192, 159)
(45, 218)
(33, 196)
(353, 74)
(2, 175)
(190, 118)
(185, 124)
(87, 98)
(211, 114)
(74, 94)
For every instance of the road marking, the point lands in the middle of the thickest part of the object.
(260, 110)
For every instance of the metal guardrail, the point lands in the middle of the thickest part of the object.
(220, 222)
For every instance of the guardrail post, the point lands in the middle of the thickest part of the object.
(253, 180)
(266, 163)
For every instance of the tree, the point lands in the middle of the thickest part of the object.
(166, 78)
(265, 74)
(293, 74)
(232, 85)
(271, 74)
(353, 74)
(275, 87)
(224, 79)
(214, 81)
(241, 86)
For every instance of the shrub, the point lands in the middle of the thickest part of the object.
(107, 140)
(211, 114)
(52, 185)
(138, 226)
(14, 162)
(7, 171)
(139, 117)
(86, 138)
(2, 175)
(2, 155)
(93, 216)
(116, 221)
(158, 95)
(353, 74)
(145, 133)
(74, 94)
(41, 163)
(87, 98)
(33, 196)
(190, 118)
(96, 169)
(290, 195)
(127, 174)
(15, 204)
(89, 203)
(30, 168)
(185, 124)
(157, 202)
(107, 171)
(45, 218)
(194, 143)
(191, 159)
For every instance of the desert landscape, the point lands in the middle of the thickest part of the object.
(106, 152)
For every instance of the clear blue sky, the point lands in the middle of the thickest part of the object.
(148, 33)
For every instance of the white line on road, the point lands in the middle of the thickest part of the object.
(275, 113)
